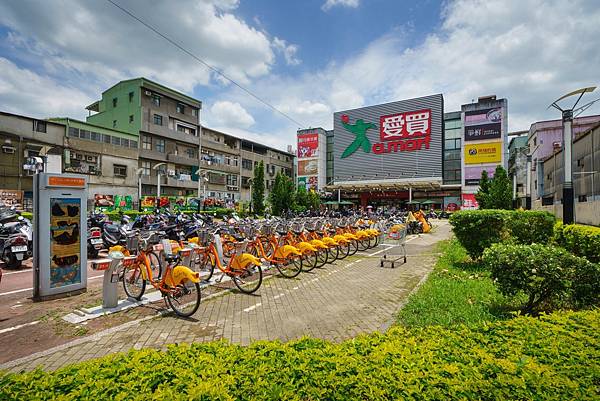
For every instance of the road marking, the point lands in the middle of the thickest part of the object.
(295, 288)
(30, 289)
(20, 271)
(251, 308)
(278, 296)
(19, 326)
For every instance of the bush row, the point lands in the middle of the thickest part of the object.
(479, 229)
(579, 239)
(549, 276)
(522, 358)
(220, 212)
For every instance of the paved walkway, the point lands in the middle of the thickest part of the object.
(336, 303)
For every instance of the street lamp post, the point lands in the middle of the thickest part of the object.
(528, 184)
(250, 182)
(567, 120)
(139, 172)
(157, 168)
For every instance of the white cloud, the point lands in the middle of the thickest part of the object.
(229, 114)
(332, 3)
(25, 92)
(288, 51)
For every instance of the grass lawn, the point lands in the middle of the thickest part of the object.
(458, 291)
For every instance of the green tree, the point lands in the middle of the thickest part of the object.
(282, 195)
(314, 200)
(258, 189)
(302, 198)
(500, 192)
(483, 194)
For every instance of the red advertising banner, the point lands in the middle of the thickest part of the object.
(469, 202)
(412, 124)
(308, 145)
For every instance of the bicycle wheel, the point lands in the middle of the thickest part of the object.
(344, 250)
(206, 266)
(353, 247)
(333, 253)
(322, 257)
(134, 283)
(184, 299)
(291, 267)
(373, 242)
(310, 261)
(248, 280)
(363, 245)
(155, 264)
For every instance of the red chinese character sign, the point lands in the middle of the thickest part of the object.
(469, 202)
(405, 125)
(308, 145)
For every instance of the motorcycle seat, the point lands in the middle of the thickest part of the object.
(11, 225)
(111, 228)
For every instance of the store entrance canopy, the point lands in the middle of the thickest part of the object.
(404, 184)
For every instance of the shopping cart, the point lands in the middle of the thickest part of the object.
(392, 234)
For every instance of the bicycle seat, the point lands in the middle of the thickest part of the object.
(238, 237)
(282, 232)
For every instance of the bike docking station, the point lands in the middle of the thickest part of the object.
(59, 235)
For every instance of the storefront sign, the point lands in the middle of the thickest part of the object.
(308, 145)
(483, 153)
(11, 197)
(308, 167)
(486, 131)
(473, 174)
(469, 202)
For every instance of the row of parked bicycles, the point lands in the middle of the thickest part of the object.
(167, 254)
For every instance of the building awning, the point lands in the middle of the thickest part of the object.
(430, 183)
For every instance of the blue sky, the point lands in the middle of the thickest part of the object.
(307, 58)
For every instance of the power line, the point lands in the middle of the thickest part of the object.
(210, 67)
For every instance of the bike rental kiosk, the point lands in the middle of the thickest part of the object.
(60, 234)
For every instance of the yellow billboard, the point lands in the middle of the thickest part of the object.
(483, 153)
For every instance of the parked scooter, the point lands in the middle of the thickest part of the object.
(16, 238)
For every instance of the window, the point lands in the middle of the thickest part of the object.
(39, 126)
(74, 132)
(114, 123)
(133, 144)
(156, 100)
(116, 140)
(119, 170)
(95, 136)
(130, 97)
(194, 112)
(115, 102)
(146, 142)
(232, 180)
(191, 153)
(159, 145)
(125, 142)
(247, 164)
(157, 119)
(180, 108)
(145, 168)
(186, 130)
(130, 118)
(84, 134)
(534, 141)
(106, 138)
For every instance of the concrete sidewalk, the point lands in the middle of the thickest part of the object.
(335, 303)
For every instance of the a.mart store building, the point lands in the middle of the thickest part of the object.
(395, 153)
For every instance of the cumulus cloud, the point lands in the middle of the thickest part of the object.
(288, 51)
(229, 114)
(345, 3)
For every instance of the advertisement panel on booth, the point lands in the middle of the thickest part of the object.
(308, 145)
(389, 140)
(65, 245)
(308, 167)
(483, 153)
(473, 174)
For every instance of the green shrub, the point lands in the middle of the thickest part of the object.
(549, 276)
(551, 357)
(530, 226)
(579, 239)
(27, 215)
(478, 229)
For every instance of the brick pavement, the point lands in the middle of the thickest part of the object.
(336, 302)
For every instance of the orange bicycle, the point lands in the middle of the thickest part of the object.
(286, 258)
(177, 283)
(243, 268)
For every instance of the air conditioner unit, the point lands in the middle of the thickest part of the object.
(171, 173)
(8, 149)
(148, 93)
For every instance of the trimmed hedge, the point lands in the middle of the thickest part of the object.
(479, 229)
(116, 216)
(547, 358)
(549, 276)
(579, 239)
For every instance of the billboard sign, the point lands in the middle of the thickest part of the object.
(483, 124)
(478, 153)
(308, 167)
(469, 202)
(308, 145)
(393, 139)
(473, 174)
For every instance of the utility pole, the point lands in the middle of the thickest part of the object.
(528, 184)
